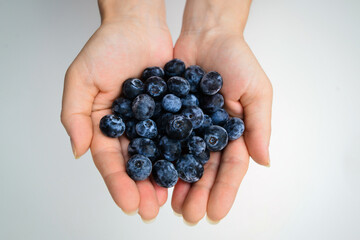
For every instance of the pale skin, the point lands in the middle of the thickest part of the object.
(134, 35)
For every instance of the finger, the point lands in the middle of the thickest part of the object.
(257, 118)
(78, 98)
(195, 204)
(180, 192)
(149, 205)
(233, 166)
(109, 160)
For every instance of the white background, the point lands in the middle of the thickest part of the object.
(310, 51)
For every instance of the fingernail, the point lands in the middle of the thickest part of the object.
(211, 221)
(177, 214)
(73, 149)
(189, 223)
(268, 165)
(131, 213)
(148, 221)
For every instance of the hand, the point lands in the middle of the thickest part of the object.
(248, 95)
(121, 48)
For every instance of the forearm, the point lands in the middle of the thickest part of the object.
(148, 11)
(203, 15)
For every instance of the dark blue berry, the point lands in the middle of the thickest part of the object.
(122, 107)
(158, 110)
(132, 87)
(156, 87)
(194, 74)
(164, 174)
(112, 126)
(146, 128)
(178, 86)
(211, 104)
(170, 148)
(220, 117)
(211, 83)
(175, 67)
(162, 122)
(203, 157)
(131, 129)
(143, 107)
(179, 127)
(196, 145)
(143, 146)
(206, 123)
(190, 100)
(216, 138)
(152, 71)
(195, 115)
(235, 128)
(171, 103)
(189, 169)
(139, 167)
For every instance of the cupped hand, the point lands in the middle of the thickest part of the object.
(248, 94)
(118, 50)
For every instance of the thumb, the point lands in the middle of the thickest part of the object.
(78, 98)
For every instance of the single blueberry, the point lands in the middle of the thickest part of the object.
(138, 167)
(132, 87)
(194, 74)
(162, 122)
(211, 83)
(175, 67)
(190, 100)
(196, 145)
(216, 138)
(203, 157)
(131, 129)
(220, 117)
(143, 107)
(164, 174)
(112, 126)
(178, 86)
(211, 104)
(170, 148)
(156, 87)
(235, 128)
(143, 146)
(206, 123)
(122, 107)
(195, 115)
(179, 127)
(152, 71)
(171, 103)
(147, 128)
(189, 169)
(158, 110)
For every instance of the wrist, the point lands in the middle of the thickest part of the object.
(201, 16)
(149, 12)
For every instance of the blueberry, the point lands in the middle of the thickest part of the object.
(131, 129)
(178, 86)
(196, 145)
(158, 110)
(152, 71)
(147, 128)
(211, 83)
(194, 74)
(216, 138)
(203, 157)
(156, 87)
(170, 148)
(235, 128)
(220, 117)
(206, 123)
(164, 174)
(162, 122)
(143, 146)
(139, 167)
(132, 87)
(143, 107)
(171, 103)
(179, 127)
(122, 107)
(112, 126)
(189, 169)
(195, 114)
(175, 67)
(190, 100)
(211, 104)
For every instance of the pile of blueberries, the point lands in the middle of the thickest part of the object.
(173, 117)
